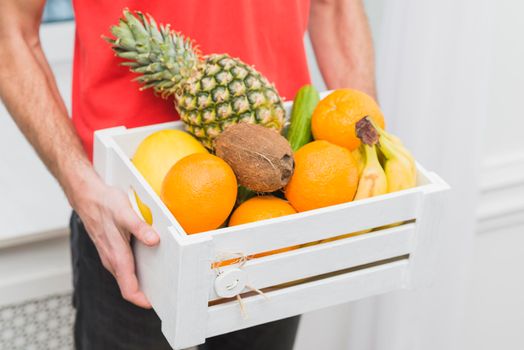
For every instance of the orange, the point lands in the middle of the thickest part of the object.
(335, 117)
(156, 154)
(325, 174)
(200, 191)
(262, 208)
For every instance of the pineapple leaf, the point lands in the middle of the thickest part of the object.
(163, 58)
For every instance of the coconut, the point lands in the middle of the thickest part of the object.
(261, 158)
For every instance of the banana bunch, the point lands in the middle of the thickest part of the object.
(359, 158)
(399, 164)
(396, 172)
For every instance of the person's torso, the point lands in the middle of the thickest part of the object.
(265, 33)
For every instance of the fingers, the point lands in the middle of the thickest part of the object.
(133, 224)
(109, 226)
(124, 272)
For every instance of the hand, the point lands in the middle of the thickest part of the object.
(110, 221)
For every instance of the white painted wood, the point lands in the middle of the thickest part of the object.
(327, 257)
(177, 276)
(307, 297)
(192, 286)
(424, 256)
(317, 224)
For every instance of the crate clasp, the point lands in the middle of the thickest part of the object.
(230, 283)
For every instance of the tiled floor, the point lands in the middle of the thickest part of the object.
(43, 324)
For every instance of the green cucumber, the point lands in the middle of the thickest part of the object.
(304, 104)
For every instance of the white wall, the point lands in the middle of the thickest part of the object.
(495, 308)
(495, 312)
(506, 122)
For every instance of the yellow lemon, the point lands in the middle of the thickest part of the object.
(157, 153)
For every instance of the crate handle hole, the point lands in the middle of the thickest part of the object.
(133, 200)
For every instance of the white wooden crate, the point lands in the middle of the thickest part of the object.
(178, 278)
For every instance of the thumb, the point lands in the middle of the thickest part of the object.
(138, 228)
(145, 233)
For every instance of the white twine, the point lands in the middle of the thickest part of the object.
(241, 260)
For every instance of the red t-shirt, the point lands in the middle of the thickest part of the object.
(265, 33)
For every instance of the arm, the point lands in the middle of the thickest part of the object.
(28, 89)
(342, 43)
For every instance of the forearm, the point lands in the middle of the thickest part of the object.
(342, 42)
(29, 92)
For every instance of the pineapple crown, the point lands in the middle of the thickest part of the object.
(163, 58)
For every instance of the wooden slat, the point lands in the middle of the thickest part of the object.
(317, 224)
(187, 270)
(425, 256)
(307, 297)
(327, 257)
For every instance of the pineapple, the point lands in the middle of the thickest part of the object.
(210, 92)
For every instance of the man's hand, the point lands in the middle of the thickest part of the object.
(110, 221)
(28, 89)
(342, 42)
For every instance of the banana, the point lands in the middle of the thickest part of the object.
(399, 168)
(391, 137)
(373, 180)
(399, 165)
(396, 146)
(359, 158)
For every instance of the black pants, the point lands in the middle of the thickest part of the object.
(104, 320)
